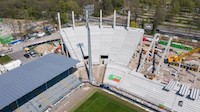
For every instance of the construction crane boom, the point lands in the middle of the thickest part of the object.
(178, 58)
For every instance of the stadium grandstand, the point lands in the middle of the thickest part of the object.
(38, 85)
(111, 44)
(116, 45)
(151, 93)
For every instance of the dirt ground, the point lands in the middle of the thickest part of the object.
(165, 70)
(98, 73)
(41, 49)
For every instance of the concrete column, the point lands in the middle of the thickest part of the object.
(179, 66)
(195, 79)
(73, 21)
(168, 48)
(100, 19)
(147, 53)
(141, 42)
(153, 49)
(128, 20)
(114, 19)
(59, 22)
(60, 30)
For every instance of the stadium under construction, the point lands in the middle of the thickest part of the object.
(148, 72)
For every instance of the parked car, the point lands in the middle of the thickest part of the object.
(33, 34)
(27, 55)
(40, 34)
(49, 28)
(48, 33)
(32, 53)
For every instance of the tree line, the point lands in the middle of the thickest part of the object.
(46, 9)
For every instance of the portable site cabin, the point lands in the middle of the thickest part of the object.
(6, 39)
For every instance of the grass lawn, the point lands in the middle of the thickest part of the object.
(5, 59)
(101, 101)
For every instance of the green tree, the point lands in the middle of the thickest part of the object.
(134, 24)
(73, 6)
(107, 6)
(134, 7)
(175, 7)
(117, 4)
(159, 16)
(19, 26)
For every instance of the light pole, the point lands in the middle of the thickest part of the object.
(89, 47)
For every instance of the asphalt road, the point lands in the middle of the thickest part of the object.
(181, 32)
(20, 55)
(18, 52)
(19, 47)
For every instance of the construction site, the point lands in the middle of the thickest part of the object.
(171, 61)
(159, 73)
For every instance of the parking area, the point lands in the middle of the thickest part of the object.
(20, 55)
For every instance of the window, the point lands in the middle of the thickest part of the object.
(86, 57)
(22, 100)
(10, 107)
(104, 56)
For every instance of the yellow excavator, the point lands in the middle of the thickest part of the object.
(178, 58)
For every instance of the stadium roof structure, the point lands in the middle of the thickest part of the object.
(22, 80)
(117, 43)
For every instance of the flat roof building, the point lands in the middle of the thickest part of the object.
(38, 84)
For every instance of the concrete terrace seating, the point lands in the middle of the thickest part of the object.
(118, 44)
(133, 83)
(194, 94)
(184, 90)
(51, 95)
(170, 85)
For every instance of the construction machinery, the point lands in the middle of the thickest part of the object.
(180, 58)
(149, 75)
(57, 49)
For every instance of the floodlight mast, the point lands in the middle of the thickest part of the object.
(89, 48)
